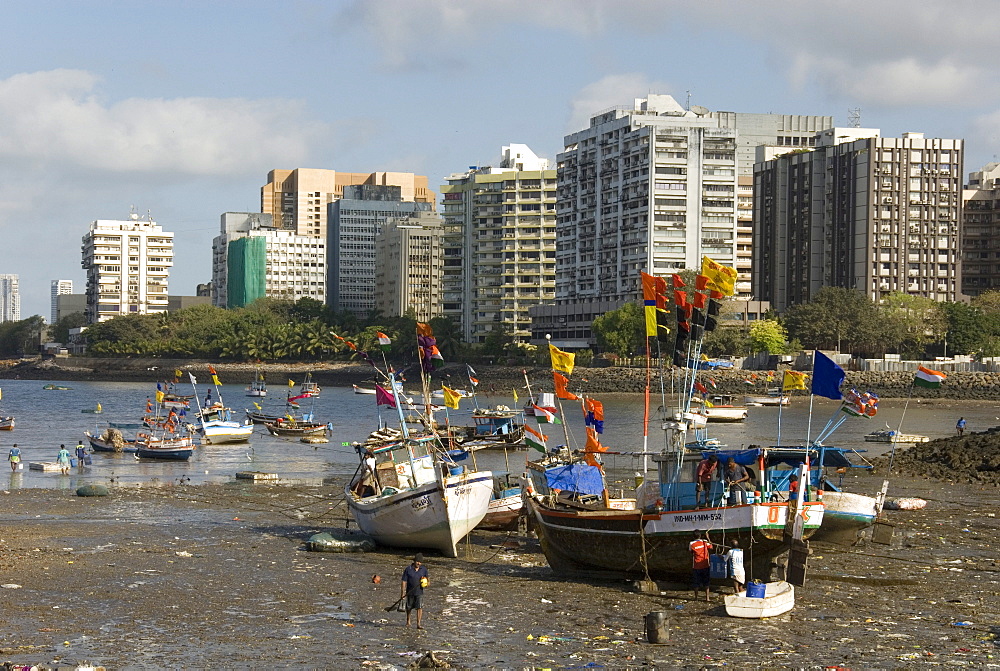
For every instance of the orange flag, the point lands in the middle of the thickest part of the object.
(561, 391)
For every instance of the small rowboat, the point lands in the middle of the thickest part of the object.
(6, 423)
(299, 429)
(778, 598)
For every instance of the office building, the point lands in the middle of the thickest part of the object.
(59, 288)
(127, 265)
(251, 259)
(353, 223)
(858, 211)
(298, 199)
(408, 265)
(67, 304)
(500, 245)
(10, 299)
(981, 231)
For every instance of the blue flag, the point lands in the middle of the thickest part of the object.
(827, 377)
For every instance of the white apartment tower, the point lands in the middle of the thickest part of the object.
(10, 299)
(252, 259)
(500, 244)
(127, 265)
(59, 288)
(859, 211)
(408, 264)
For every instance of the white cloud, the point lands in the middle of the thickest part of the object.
(58, 119)
(609, 91)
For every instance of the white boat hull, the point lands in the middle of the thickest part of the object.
(425, 516)
(845, 514)
(724, 413)
(779, 597)
(215, 433)
(766, 400)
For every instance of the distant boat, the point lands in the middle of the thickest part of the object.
(774, 396)
(309, 387)
(890, 436)
(6, 423)
(257, 388)
(56, 387)
(95, 411)
(175, 448)
(299, 429)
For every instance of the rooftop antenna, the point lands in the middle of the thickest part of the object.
(854, 117)
(688, 105)
(133, 215)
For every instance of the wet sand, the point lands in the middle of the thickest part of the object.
(193, 576)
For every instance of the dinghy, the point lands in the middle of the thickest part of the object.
(777, 598)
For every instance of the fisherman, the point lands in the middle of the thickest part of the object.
(960, 426)
(412, 588)
(14, 457)
(63, 459)
(735, 477)
(707, 471)
(793, 486)
(734, 566)
(700, 549)
(81, 454)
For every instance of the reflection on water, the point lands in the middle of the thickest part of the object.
(46, 419)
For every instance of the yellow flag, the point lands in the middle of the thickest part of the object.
(215, 381)
(561, 361)
(515, 395)
(721, 278)
(257, 405)
(450, 397)
(793, 379)
(1, 393)
(291, 383)
(177, 372)
(159, 396)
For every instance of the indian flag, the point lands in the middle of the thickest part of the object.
(928, 378)
(535, 439)
(545, 416)
(383, 341)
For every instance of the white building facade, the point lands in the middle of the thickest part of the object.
(10, 298)
(59, 288)
(408, 265)
(128, 265)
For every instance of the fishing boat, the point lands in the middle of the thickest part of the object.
(215, 422)
(296, 429)
(6, 423)
(94, 411)
(363, 390)
(773, 396)
(497, 427)
(263, 418)
(111, 440)
(56, 387)
(895, 437)
(722, 408)
(257, 387)
(165, 446)
(505, 505)
(776, 598)
(309, 387)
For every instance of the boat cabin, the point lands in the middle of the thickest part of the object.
(499, 422)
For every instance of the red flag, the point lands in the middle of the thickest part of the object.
(680, 298)
(211, 370)
(717, 295)
(593, 447)
(383, 397)
(678, 282)
(702, 389)
(699, 300)
(701, 282)
(595, 407)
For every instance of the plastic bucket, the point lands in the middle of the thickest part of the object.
(456, 470)
(656, 627)
(756, 590)
(717, 566)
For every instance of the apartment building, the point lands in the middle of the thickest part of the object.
(127, 264)
(500, 244)
(10, 298)
(251, 259)
(408, 267)
(298, 199)
(354, 221)
(58, 288)
(981, 231)
(858, 211)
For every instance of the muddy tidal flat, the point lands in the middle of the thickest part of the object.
(218, 575)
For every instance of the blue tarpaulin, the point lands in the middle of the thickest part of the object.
(578, 478)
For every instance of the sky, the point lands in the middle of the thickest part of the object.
(179, 109)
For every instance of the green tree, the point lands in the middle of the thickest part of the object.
(836, 318)
(767, 335)
(622, 331)
(725, 340)
(59, 332)
(911, 323)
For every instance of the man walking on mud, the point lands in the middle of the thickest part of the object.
(412, 588)
(960, 426)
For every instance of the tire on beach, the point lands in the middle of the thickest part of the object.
(92, 490)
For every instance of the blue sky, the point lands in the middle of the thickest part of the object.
(181, 108)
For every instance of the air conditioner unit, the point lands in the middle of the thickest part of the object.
(887, 199)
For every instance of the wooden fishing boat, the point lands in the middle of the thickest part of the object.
(505, 505)
(110, 440)
(309, 387)
(890, 436)
(296, 429)
(773, 396)
(257, 387)
(492, 427)
(6, 423)
(56, 387)
(778, 598)
(722, 408)
(168, 446)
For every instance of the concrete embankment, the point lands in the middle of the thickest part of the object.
(493, 379)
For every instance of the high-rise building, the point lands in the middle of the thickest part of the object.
(858, 211)
(59, 287)
(252, 259)
(981, 231)
(354, 220)
(127, 264)
(500, 245)
(408, 264)
(10, 299)
(298, 199)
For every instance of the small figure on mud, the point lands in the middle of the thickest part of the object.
(960, 426)
(63, 459)
(412, 588)
(14, 457)
(734, 567)
(700, 549)
(707, 471)
(81, 455)
(736, 478)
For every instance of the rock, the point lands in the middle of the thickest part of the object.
(92, 490)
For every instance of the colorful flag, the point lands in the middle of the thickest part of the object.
(472, 377)
(295, 398)
(595, 414)
(383, 397)
(535, 439)
(211, 370)
(345, 341)
(930, 379)
(827, 377)
(545, 416)
(451, 397)
(701, 283)
(678, 282)
(653, 290)
(177, 372)
(291, 383)
(702, 389)
(793, 379)
(561, 361)
(592, 447)
(215, 380)
(720, 278)
(194, 380)
(383, 341)
(427, 349)
(159, 396)
(515, 395)
(561, 382)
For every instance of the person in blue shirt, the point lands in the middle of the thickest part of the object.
(412, 588)
(960, 426)
(14, 457)
(63, 460)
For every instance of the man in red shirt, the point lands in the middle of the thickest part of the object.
(700, 549)
(707, 470)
